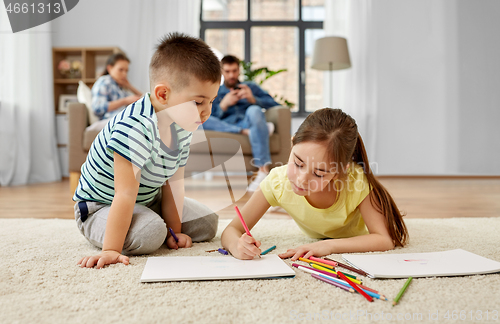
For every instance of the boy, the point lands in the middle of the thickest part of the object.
(131, 187)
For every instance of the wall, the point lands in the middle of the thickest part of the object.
(438, 71)
(128, 24)
(437, 87)
(411, 86)
(479, 86)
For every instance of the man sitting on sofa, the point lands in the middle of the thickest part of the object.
(238, 109)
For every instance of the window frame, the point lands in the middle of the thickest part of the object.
(247, 24)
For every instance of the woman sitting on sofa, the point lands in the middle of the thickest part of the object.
(110, 92)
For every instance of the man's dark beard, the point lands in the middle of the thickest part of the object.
(230, 86)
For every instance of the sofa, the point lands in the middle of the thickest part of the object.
(201, 157)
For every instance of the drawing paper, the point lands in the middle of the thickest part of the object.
(185, 268)
(433, 264)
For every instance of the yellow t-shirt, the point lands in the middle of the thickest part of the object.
(342, 219)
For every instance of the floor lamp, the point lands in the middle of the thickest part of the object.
(331, 53)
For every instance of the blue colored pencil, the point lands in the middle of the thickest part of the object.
(223, 251)
(173, 234)
(268, 250)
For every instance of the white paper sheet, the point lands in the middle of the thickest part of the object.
(433, 264)
(185, 268)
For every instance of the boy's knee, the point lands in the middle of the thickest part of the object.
(201, 229)
(147, 240)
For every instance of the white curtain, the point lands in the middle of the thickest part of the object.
(152, 21)
(354, 89)
(28, 150)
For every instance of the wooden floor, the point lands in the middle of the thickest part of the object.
(418, 197)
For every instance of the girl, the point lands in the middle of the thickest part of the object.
(329, 190)
(109, 93)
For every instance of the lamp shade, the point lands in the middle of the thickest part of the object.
(331, 53)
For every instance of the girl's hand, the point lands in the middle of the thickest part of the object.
(102, 259)
(305, 251)
(184, 241)
(247, 247)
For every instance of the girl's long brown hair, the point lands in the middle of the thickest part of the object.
(339, 132)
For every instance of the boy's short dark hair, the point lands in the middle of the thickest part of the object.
(178, 57)
(230, 59)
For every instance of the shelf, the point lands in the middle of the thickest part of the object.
(66, 81)
(92, 61)
(73, 81)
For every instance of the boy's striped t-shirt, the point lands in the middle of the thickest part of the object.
(133, 134)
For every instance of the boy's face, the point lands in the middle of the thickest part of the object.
(188, 107)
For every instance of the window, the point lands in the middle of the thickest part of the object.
(278, 34)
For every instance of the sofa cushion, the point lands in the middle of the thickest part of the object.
(199, 136)
(88, 138)
(92, 131)
(84, 95)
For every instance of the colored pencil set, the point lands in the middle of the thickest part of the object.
(324, 270)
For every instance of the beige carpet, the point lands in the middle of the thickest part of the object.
(41, 283)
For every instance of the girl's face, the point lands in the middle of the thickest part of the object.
(119, 71)
(309, 170)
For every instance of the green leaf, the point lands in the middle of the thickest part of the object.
(263, 74)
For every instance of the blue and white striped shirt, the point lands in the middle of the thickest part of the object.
(133, 134)
(104, 90)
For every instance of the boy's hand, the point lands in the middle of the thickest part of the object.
(305, 251)
(184, 241)
(247, 247)
(102, 259)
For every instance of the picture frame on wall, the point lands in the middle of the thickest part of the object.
(64, 101)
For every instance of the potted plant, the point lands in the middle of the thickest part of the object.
(262, 74)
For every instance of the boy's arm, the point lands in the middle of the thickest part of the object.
(122, 207)
(172, 205)
(119, 217)
(172, 200)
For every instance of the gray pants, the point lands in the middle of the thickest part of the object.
(148, 230)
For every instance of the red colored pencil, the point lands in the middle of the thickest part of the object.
(296, 265)
(353, 285)
(243, 223)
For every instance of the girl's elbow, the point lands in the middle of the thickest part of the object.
(388, 244)
(385, 244)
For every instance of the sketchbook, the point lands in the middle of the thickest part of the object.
(433, 264)
(185, 268)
